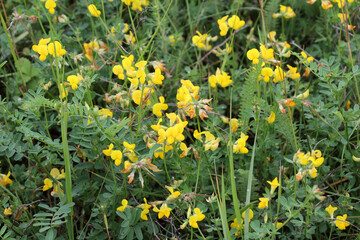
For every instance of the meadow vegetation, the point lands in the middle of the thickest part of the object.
(179, 119)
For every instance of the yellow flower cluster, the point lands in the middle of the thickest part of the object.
(50, 5)
(221, 78)
(239, 145)
(304, 159)
(233, 22)
(173, 133)
(210, 142)
(89, 48)
(55, 173)
(136, 4)
(235, 224)
(129, 38)
(285, 11)
(202, 41)
(44, 48)
(115, 155)
(188, 100)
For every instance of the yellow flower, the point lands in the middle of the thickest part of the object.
(50, 5)
(5, 179)
(145, 210)
(158, 107)
(74, 81)
(7, 211)
(48, 183)
(287, 11)
(136, 96)
(292, 73)
(253, 55)
(307, 59)
(158, 78)
(278, 224)
(221, 77)
(239, 145)
(42, 48)
(313, 172)
(163, 211)
(303, 95)
(124, 204)
(173, 194)
(271, 35)
(137, 4)
(223, 26)
(63, 91)
(330, 209)
(199, 40)
(264, 203)
(127, 2)
(55, 49)
(116, 155)
(274, 184)
(341, 223)
(251, 214)
(105, 113)
(266, 54)
(118, 71)
(234, 124)
(197, 217)
(93, 10)
(183, 148)
(267, 73)
(271, 118)
(279, 74)
(235, 23)
(236, 224)
(326, 4)
(108, 151)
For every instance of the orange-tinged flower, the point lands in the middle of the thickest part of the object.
(326, 4)
(289, 102)
(5, 179)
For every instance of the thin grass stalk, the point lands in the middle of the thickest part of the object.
(64, 123)
(248, 189)
(232, 174)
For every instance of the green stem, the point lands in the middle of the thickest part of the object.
(232, 174)
(248, 189)
(64, 123)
